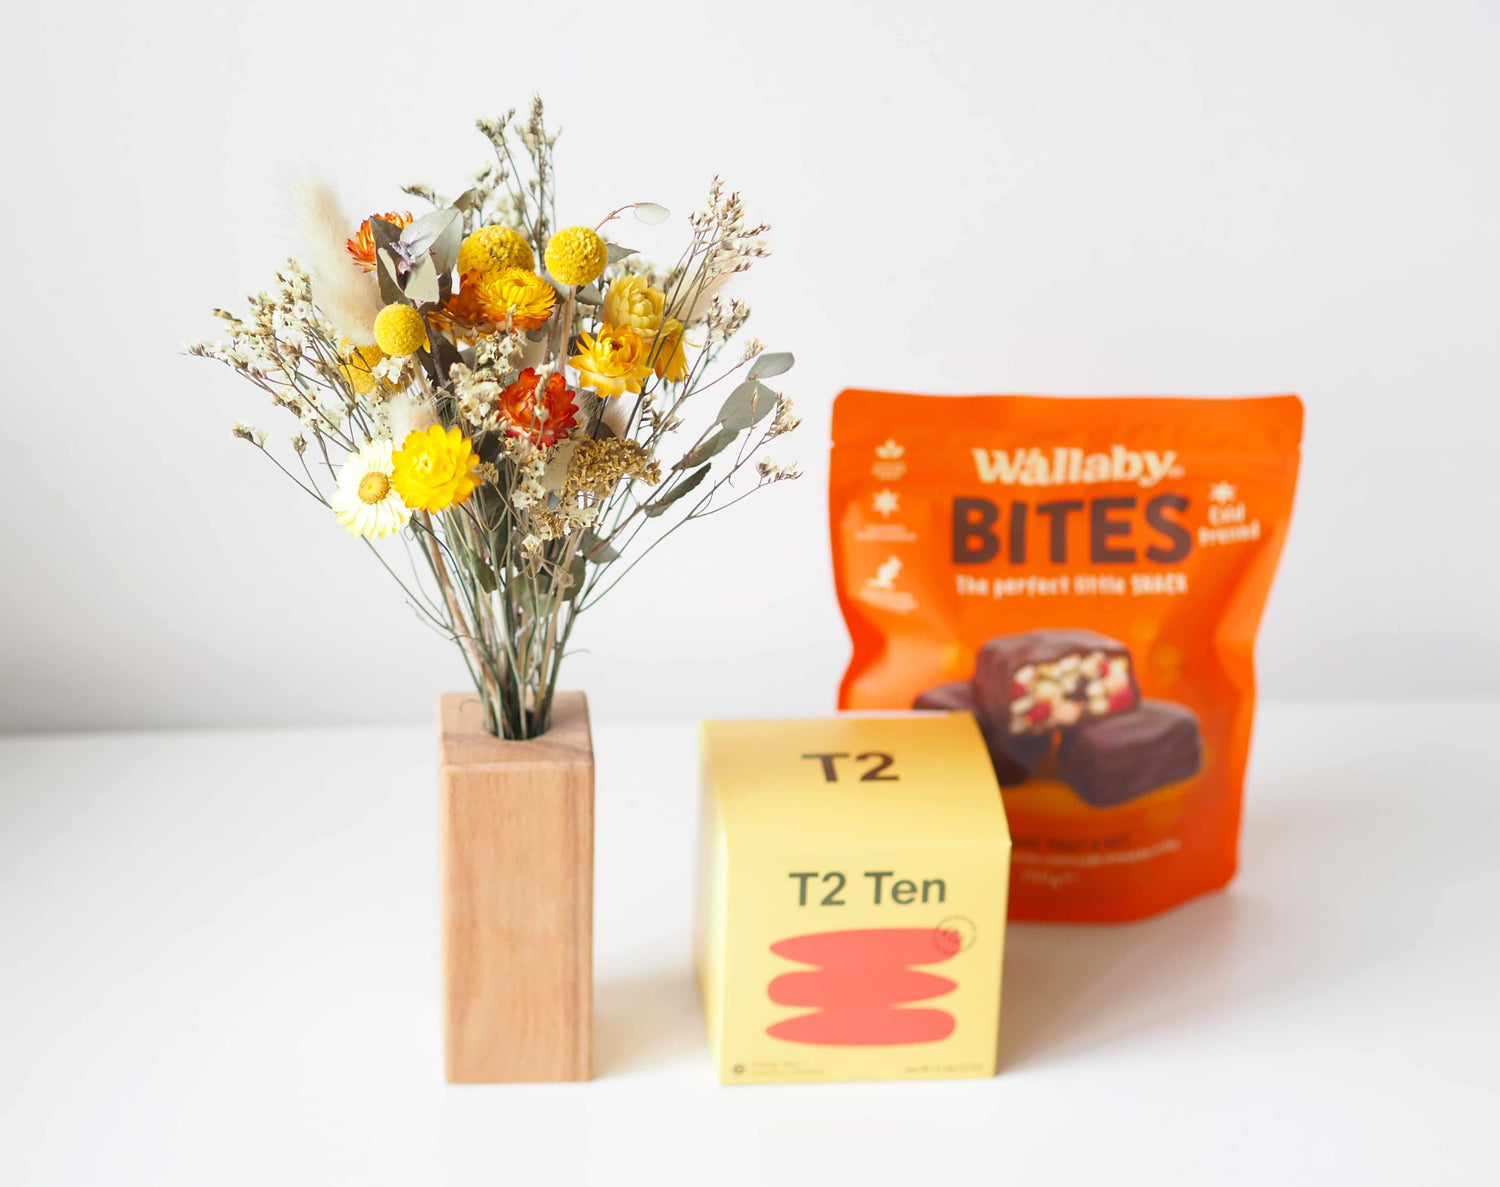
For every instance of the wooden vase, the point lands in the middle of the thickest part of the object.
(517, 837)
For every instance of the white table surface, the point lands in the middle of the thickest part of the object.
(219, 965)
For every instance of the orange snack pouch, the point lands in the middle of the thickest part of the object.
(1086, 576)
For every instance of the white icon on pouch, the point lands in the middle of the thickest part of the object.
(885, 576)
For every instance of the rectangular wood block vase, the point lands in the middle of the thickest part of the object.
(517, 836)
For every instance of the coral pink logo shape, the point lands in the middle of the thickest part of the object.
(862, 976)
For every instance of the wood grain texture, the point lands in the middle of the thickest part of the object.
(517, 836)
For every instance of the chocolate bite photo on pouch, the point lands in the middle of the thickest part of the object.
(1041, 681)
(1073, 690)
(1117, 758)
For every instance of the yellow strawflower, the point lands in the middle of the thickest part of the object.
(669, 360)
(576, 255)
(613, 363)
(491, 249)
(519, 292)
(400, 330)
(359, 361)
(434, 469)
(632, 302)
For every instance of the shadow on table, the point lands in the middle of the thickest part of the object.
(1070, 988)
(1297, 926)
(641, 1021)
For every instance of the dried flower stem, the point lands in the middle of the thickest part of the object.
(477, 662)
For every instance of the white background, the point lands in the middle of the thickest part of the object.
(1073, 197)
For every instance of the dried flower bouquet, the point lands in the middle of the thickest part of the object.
(506, 397)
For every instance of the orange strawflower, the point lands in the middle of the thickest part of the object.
(362, 246)
(487, 299)
(546, 420)
(462, 304)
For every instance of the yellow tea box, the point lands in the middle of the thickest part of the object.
(852, 885)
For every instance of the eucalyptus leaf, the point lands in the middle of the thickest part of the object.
(746, 405)
(385, 234)
(390, 288)
(601, 552)
(656, 508)
(618, 253)
(468, 200)
(575, 578)
(520, 590)
(422, 282)
(706, 449)
(445, 246)
(486, 575)
(419, 235)
(589, 295)
(651, 214)
(777, 363)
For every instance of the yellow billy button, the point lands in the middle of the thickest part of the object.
(400, 330)
(576, 256)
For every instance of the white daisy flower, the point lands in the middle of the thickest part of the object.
(365, 501)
